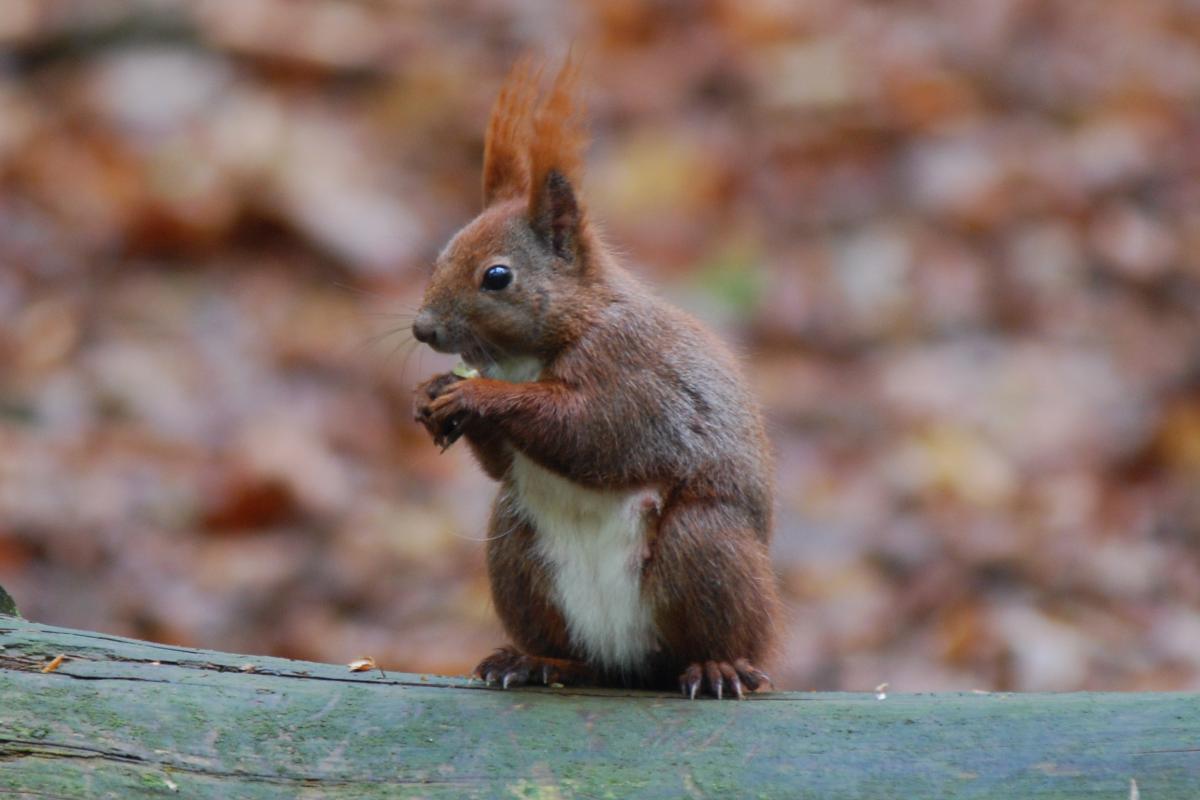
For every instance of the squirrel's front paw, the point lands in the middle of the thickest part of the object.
(450, 414)
(445, 429)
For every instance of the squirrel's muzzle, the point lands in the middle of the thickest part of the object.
(425, 329)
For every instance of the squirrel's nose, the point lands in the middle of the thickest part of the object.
(425, 329)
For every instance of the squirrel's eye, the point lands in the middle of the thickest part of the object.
(497, 278)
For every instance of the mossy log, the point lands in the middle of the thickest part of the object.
(121, 718)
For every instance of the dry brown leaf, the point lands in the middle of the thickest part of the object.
(362, 664)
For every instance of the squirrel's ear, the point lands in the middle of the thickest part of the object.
(555, 215)
(556, 161)
(506, 146)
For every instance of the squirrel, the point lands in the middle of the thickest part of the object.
(628, 544)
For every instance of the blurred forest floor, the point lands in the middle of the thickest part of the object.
(958, 243)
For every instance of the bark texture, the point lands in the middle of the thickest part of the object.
(122, 718)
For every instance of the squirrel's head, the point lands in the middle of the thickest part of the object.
(513, 281)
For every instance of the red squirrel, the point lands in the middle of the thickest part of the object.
(628, 544)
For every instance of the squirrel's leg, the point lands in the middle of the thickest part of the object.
(709, 577)
(521, 593)
(491, 450)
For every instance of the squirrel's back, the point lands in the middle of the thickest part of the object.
(678, 411)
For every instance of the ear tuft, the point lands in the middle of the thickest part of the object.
(556, 164)
(506, 145)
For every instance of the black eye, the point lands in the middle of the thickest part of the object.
(497, 278)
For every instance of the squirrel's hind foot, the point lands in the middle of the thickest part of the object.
(722, 679)
(510, 667)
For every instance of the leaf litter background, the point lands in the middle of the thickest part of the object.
(957, 242)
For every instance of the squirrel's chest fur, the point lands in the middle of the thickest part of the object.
(592, 543)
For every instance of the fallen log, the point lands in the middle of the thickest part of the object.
(123, 718)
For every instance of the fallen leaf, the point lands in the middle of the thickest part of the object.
(362, 664)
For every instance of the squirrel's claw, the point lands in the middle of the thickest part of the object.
(721, 678)
(438, 408)
(714, 678)
(450, 433)
(751, 675)
(517, 676)
(509, 667)
(689, 681)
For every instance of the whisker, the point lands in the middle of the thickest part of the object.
(390, 315)
(405, 342)
(488, 346)
(403, 330)
(358, 290)
(407, 357)
(397, 347)
(511, 529)
(484, 350)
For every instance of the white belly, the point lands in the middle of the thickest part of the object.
(592, 543)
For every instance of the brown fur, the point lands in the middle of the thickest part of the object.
(632, 394)
(559, 134)
(506, 146)
(556, 155)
